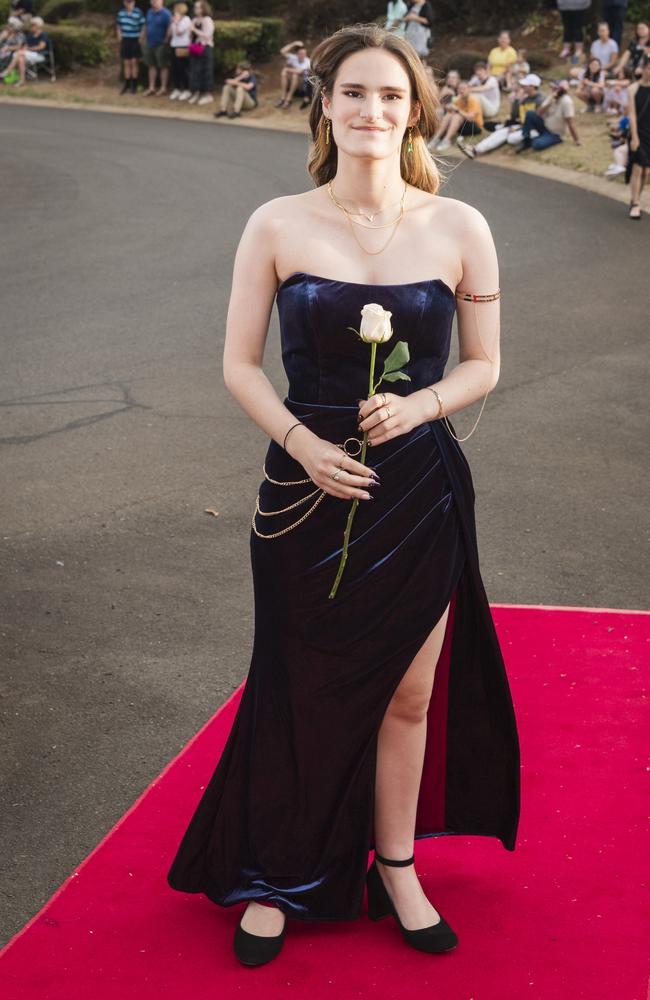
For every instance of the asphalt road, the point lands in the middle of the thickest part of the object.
(126, 613)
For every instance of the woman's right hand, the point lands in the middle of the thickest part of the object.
(320, 458)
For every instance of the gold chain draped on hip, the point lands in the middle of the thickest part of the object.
(297, 503)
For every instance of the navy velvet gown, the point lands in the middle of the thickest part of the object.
(287, 817)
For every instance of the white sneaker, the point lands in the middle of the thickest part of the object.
(206, 99)
(184, 94)
(442, 146)
(614, 170)
(193, 99)
(175, 94)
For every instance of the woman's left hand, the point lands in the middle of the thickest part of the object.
(386, 415)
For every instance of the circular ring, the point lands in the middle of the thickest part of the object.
(387, 413)
(335, 475)
(383, 398)
(358, 443)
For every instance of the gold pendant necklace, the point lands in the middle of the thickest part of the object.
(348, 216)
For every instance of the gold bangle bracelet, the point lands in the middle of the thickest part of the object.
(441, 410)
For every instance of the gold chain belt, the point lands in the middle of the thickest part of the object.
(297, 482)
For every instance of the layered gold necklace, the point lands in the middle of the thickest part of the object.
(350, 217)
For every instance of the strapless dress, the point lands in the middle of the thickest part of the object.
(287, 816)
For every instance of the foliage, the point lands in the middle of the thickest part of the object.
(639, 10)
(75, 45)
(463, 61)
(53, 11)
(258, 38)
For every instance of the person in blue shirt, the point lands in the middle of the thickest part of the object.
(239, 91)
(156, 49)
(130, 25)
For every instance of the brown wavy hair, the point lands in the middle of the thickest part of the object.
(417, 168)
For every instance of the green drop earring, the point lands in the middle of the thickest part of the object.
(409, 147)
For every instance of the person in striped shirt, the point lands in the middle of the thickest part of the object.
(130, 23)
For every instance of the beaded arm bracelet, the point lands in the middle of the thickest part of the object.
(475, 298)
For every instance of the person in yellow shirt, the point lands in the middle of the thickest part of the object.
(501, 60)
(464, 116)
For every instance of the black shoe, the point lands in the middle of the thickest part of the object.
(134, 86)
(306, 101)
(126, 86)
(220, 114)
(434, 939)
(255, 949)
(234, 114)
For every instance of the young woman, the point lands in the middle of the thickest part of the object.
(591, 85)
(202, 54)
(179, 44)
(639, 113)
(381, 714)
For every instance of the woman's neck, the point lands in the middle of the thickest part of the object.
(368, 185)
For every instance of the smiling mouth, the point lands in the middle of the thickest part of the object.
(369, 128)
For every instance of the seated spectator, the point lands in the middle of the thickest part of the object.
(130, 22)
(11, 39)
(528, 97)
(629, 65)
(501, 60)
(591, 85)
(293, 73)
(238, 92)
(521, 68)
(486, 87)
(604, 48)
(202, 54)
(615, 96)
(463, 116)
(396, 11)
(31, 52)
(555, 116)
(620, 149)
(155, 49)
(449, 88)
(180, 36)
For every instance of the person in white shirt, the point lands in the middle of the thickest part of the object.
(486, 88)
(604, 47)
(179, 43)
(293, 72)
(395, 13)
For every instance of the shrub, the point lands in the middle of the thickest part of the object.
(75, 45)
(53, 11)
(463, 61)
(539, 60)
(639, 10)
(257, 38)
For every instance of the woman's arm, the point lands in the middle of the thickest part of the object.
(254, 285)
(478, 367)
(631, 114)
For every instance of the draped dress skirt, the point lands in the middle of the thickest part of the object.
(288, 814)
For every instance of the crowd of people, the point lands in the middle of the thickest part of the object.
(23, 43)
(501, 103)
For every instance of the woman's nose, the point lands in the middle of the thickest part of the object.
(373, 108)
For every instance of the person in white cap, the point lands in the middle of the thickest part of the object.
(528, 97)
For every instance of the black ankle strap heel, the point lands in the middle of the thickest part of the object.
(434, 939)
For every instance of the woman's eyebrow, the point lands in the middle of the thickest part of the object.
(361, 86)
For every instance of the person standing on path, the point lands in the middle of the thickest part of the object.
(573, 19)
(130, 22)
(156, 54)
(639, 114)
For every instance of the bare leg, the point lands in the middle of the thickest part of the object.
(636, 186)
(400, 758)
(454, 127)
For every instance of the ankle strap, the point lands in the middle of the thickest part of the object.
(397, 864)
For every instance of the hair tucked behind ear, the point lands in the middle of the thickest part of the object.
(417, 168)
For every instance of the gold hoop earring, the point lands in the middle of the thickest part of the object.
(327, 133)
(409, 148)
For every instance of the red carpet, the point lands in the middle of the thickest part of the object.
(561, 917)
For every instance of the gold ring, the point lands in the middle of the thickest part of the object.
(383, 397)
(387, 413)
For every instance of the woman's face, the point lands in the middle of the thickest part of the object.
(370, 104)
(463, 89)
(453, 78)
(642, 30)
(594, 65)
(198, 10)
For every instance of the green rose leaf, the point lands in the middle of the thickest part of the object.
(394, 376)
(398, 356)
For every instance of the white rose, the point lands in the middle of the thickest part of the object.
(375, 324)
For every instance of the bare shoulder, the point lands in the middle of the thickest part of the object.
(278, 211)
(462, 218)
